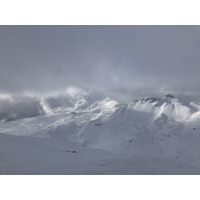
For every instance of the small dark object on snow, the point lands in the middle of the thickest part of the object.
(97, 124)
(69, 151)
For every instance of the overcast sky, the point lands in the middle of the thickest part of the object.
(48, 58)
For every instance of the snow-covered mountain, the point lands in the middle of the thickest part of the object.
(150, 126)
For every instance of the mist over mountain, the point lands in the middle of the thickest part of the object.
(99, 100)
(51, 58)
(144, 126)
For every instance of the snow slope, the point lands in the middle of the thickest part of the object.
(27, 155)
(163, 128)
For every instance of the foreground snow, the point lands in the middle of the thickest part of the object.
(63, 132)
(27, 155)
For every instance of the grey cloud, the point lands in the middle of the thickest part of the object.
(47, 58)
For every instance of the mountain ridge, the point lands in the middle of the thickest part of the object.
(148, 126)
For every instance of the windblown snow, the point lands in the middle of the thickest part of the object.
(83, 132)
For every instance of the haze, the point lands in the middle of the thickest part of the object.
(133, 58)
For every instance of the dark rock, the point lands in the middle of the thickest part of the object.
(169, 95)
(150, 99)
